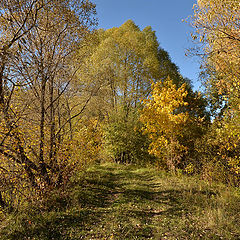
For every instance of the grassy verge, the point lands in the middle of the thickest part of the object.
(127, 202)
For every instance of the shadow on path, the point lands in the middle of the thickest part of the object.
(114, 203)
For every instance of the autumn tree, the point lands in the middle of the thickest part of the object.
(40, 39)
(16, 20)
(129, 57)
(216, 25)
(119, 63)
(163, 122)
(53, 43)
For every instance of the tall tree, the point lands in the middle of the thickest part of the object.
(123, 61)
(39, 38)
(216, 24)
(16, 20)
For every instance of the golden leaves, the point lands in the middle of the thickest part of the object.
(216, 24)
(163, 117)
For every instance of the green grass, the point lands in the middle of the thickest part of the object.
(111, 201)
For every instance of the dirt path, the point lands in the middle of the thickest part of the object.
(135, 203)
(128, 202)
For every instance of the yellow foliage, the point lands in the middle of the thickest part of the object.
(86, 144)
(163, 120)
(216, 22)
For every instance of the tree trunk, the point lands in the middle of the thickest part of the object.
(28, 165)
(42, 164)
(70, 121)
(52, 127)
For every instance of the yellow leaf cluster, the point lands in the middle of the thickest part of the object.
(163, 118)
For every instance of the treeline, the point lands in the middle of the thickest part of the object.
(71, 95)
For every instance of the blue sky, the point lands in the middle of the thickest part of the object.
(165, 17)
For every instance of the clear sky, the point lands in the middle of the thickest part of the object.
(165, 17)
